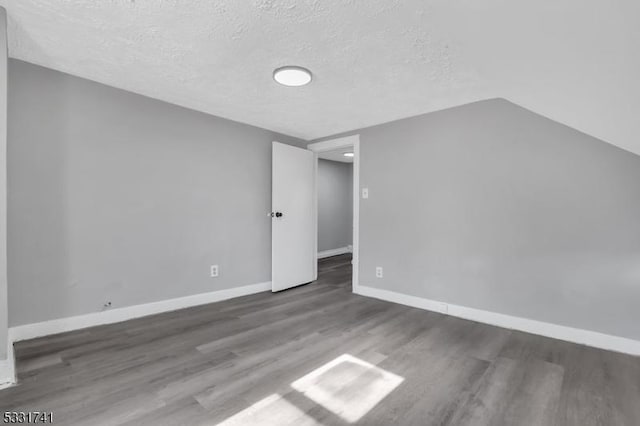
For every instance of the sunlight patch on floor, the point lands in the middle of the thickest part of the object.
(348, 386)
(270, 411)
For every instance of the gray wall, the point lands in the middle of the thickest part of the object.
(3, 187)
(117, 197)
(335, 204)
(493, 207)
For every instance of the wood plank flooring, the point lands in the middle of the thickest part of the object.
(318, 354)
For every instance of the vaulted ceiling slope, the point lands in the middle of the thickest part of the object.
(574, 61)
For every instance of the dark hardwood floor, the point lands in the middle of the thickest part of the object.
(318, 354)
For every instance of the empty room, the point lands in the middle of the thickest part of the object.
(308, 212)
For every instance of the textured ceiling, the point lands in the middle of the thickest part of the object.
(575, 61)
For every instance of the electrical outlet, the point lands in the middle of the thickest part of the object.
(214, 271)
(378, 271)
(365, 192)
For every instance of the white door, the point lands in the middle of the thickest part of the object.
(292, 210)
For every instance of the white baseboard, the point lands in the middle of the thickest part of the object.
(45, 328)
(570, 334)
(334, 252)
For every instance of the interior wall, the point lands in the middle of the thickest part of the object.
(493, 207)
(4, 315)
(115, 197)
(335, 205)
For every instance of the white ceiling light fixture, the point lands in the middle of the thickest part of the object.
(348, 154)
(292, 76)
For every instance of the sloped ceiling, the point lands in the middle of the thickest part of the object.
(574, 61)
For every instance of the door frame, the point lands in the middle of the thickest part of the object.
(331, 145)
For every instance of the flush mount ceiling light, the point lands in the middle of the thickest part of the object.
(292, 76)
(348, 154)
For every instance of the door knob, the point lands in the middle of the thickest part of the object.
(276, 214)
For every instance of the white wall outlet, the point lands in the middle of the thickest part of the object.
(365, 192)
(214, 271)
(379, 272)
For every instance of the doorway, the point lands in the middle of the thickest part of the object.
(337, 183)
(294, 211)
(335, 203)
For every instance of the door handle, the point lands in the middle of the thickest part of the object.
(276, 214)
